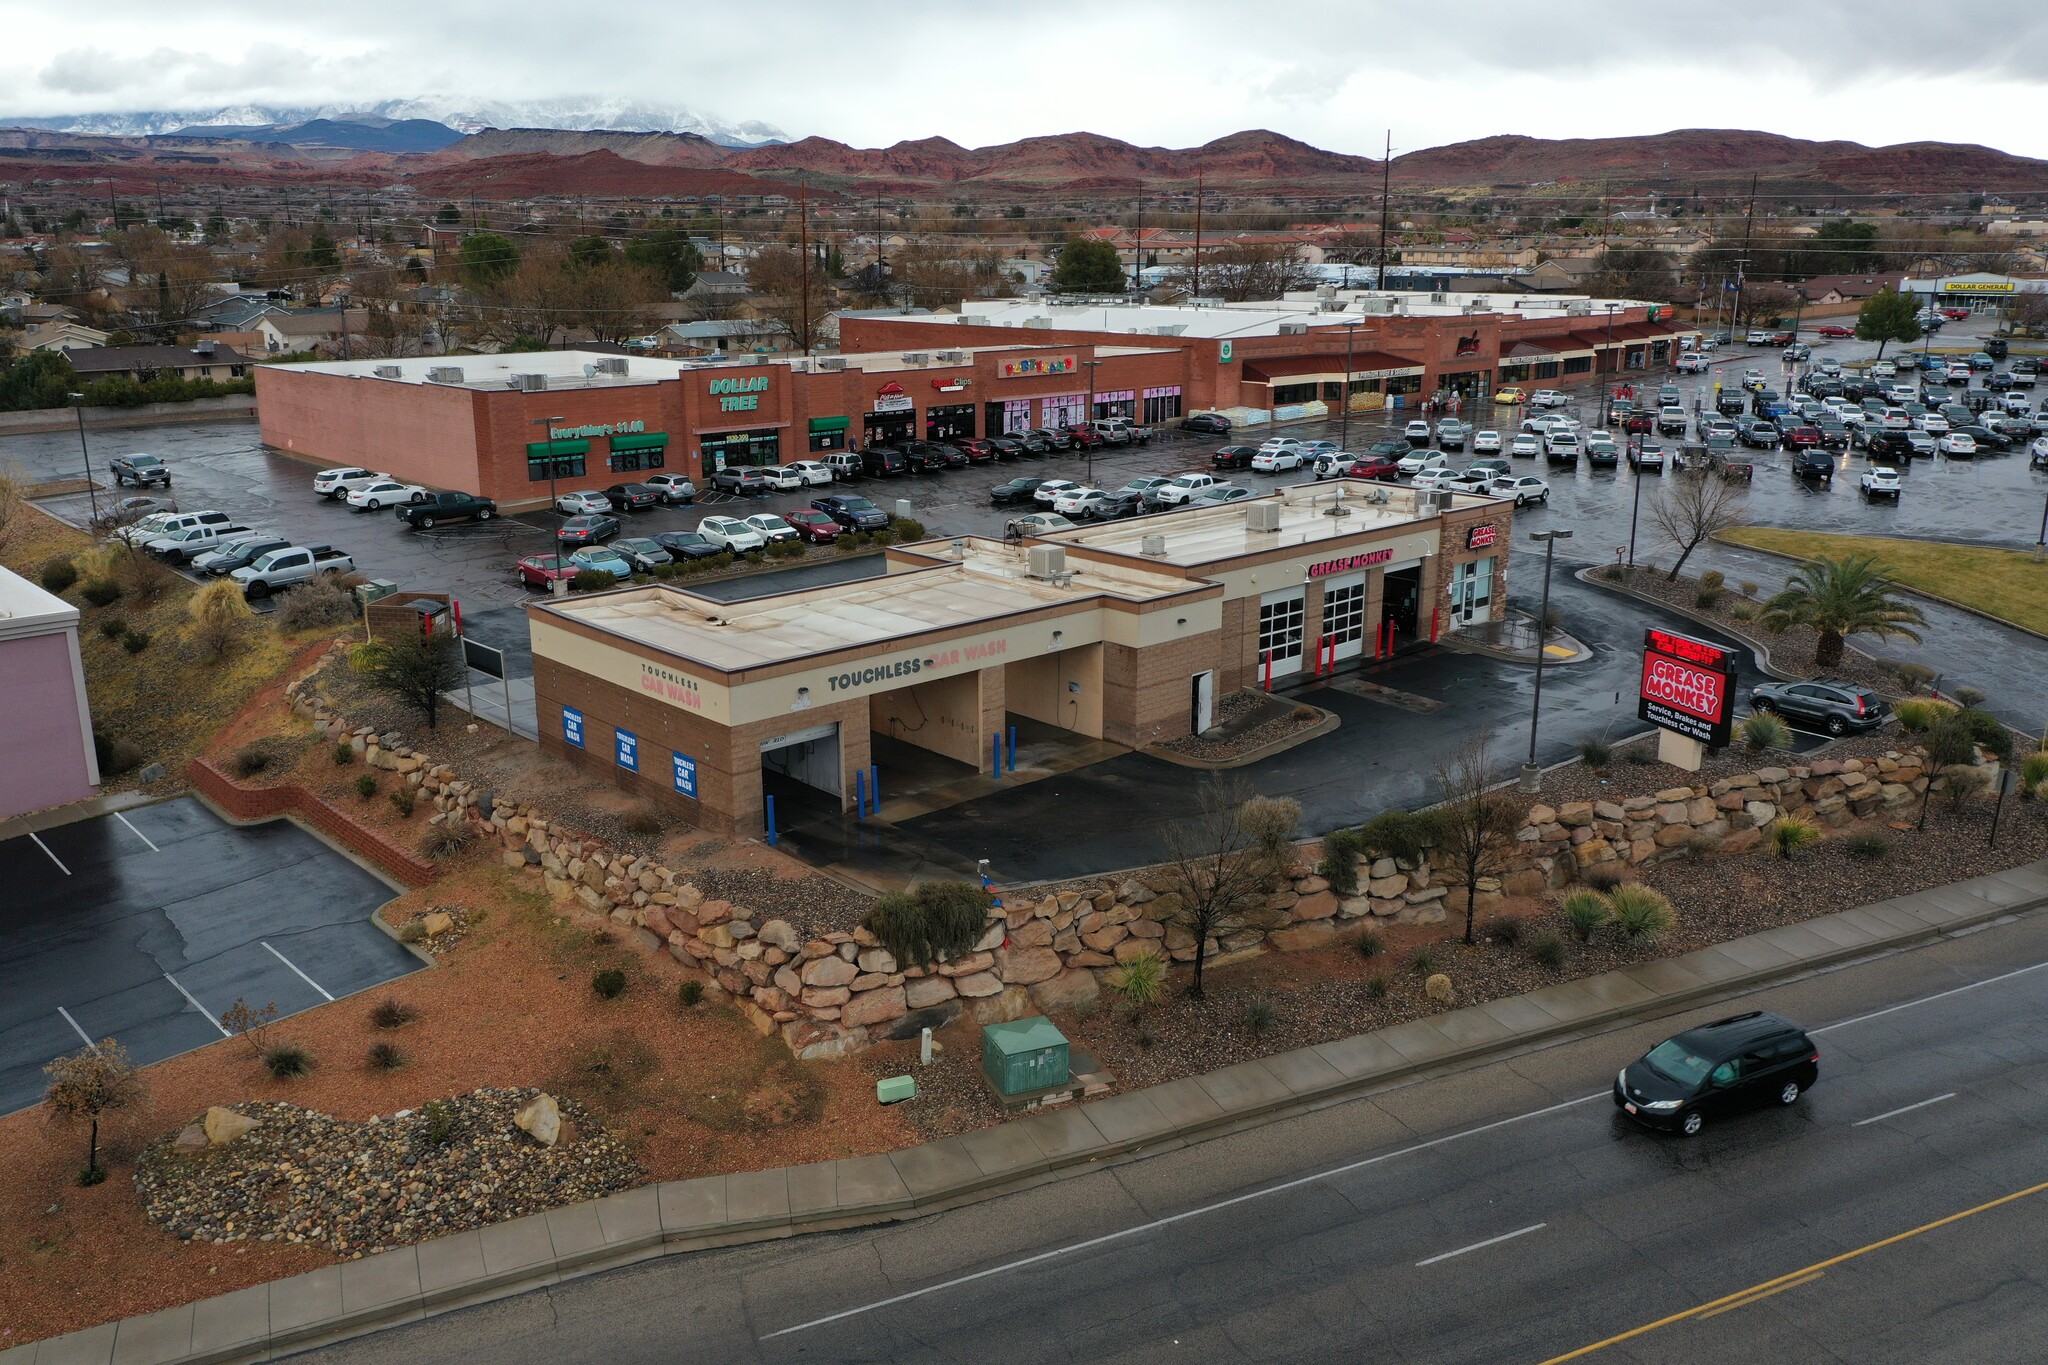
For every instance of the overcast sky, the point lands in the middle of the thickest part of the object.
(1168, 72)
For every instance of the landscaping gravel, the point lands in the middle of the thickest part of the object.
(1238, 718)
(359, 1188)
(814, 905)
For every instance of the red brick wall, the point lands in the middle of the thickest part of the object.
(268, 803)
(419, 432)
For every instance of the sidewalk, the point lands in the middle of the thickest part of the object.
(304, 1311)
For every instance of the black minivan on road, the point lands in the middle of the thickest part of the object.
(1716, 1070)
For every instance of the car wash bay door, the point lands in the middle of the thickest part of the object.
(1344, 615)
(802, 758)
(1281, 615)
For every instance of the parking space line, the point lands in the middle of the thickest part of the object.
(1907, 1109)
(53, 857)
(77, 1030)
(197, 1006)
(296, 972)
(136, 832)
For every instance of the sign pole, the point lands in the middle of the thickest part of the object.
(462, 644)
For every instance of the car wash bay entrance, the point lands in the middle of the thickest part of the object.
(801, 769)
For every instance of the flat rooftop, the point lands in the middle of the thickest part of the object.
(26, 609)
(1266, 318)
(1308, 515)
(978, 582)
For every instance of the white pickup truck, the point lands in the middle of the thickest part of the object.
(182, 546)
(292, 565)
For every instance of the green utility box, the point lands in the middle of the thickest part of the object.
(375, 588)
(1024, 1056)
(895, 1089)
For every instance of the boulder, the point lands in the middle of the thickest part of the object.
(1102, 940)
(874, 1007)
(779, 933)
(977, 984)
(1069, 990)
(927, 991)
(191, 1140)
(829, 971)
(1027, 966)
(1384, 867)
(223, 1126)
(826, 997)
(1575, 813)
(876, 960)
(811, 1040)
(1608, 810)
(967, 966)
(1387, 886)
(1295, 937)
(540, 1118)
(1320, 906)
(436, 923)
(1036, 933)
(1137, 947)
(1742, 840)
(917, 1021)
(1762, 812)
(1528, 882)
(1013, 1002)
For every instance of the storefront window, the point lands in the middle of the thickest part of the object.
(1634, 358)
(1405, 383)
(1660, 352)
(1121, 403)
(1513, 374)
(887, 428)
(1285, 395)
(1068, 410)
(827, 434)
(562, 459)
(949, 423)
(1161, 405)
(1579, 364)
(726, 449)
(630, 453)
(1472, 590)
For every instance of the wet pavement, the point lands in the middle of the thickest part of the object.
(145, 926)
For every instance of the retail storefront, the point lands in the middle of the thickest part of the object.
(1008, 416)
(828, 434)
(950, 422)
(1162, 405)
(728, 449)
(1116, 403)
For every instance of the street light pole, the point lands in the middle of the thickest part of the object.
(1344, 389)
(548, 443)
(1532, 778)
(1635, 510)
(1606, 361)
(85, 455)
(1088, 418)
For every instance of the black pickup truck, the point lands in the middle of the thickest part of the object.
(440, 507)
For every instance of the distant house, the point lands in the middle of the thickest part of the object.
(235, 313)
(58, 336)
(205, 360)
(1562, 274)
(716, 289)
(720, 336)
(1843, 288)
(308, 328)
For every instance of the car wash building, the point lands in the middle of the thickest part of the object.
(1125, 634)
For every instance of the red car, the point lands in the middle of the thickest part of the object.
(1639, 422)
(813, 525)
(1371, 467)
(1083, 438)
(1835, 330)
(975, 449)
(539, 571)
(1956, 314)
(1803, 437)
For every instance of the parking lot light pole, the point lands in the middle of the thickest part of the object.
(1605, 362)
(1088, 418)
(91, 489)
(546, 425)
(1532, 776)
(1635, 510)
(1344, 389)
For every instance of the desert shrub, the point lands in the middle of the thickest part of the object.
(314, 606)
(1988, 731)
(1639, 912)
(1970, 696)
(1708, 597)
(101, 592)
(1958, 785)
(286, 1060)
(412, 931)
(1369, 943)
(1505, 930)
(1698, 845)
(1742, 612)
(1586, 912)
(135, 641)
(344, 754)
(608, 982)
(1140, 982)
(1614, 573)
(113, 627)
(641, 820)
(252, 759)
(2033, 771)
(385, 1057)
(1914, 677)
(845, 542)
(1713, 580)
(1339, 866)
(1602, 876)
(437, 1122)
(1145, 1037)
(1376, 988)
(392, 1013)
(1869, 845)
(1421, 962)
(446, 839)
(689, 993)
(1595, 752)
(1401, 834)
(1546, 949)
(930, 921)
(115, 754)
(402, 799)
(1642, 755)
(907, 529)
(1259, 1016)
(1761, 730)
(1748, 589)
(142, 577)
(1269, 822)
(1917, 715)
(59, 574)
(218, 610)
(1789, 835)
(366, 785)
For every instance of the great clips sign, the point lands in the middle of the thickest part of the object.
(1688, 686)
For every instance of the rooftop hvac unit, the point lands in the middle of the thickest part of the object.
(388, 372)
(1170, 329)
(1153, 547)
(445, 374)
(1375, 303)
(1293, 329)
(1046, 561)
(1326, 291)
(1042, 323)
(1262, 516)
(612, 364)
(970, 320)
(952, 357)
(531, 383)
(203, 347)
(916, 358)
(1439, 298)
(1579, 308)
(829, 363)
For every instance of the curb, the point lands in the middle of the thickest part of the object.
(1330, 721)
(1590, 576)
(351, 1298)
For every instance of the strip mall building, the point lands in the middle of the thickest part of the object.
(503, 425)
(1129, 632)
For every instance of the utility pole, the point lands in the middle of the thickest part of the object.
(1137, 240)
(347, 351)
(1748, 235)
(1386, 189)
(1344, 389)
(1198, 236)
(803, 210)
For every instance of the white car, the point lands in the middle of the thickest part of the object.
(1180, 488)
(1956, 443)
(1051, 489)
(1883, 369)
(333, 483)
(1895, 419)
(1646, 455)
(1486, 443)
(771, 527)
(2037, 452)
(1562, 443)
(1921, 444)
(1523, 488)
(781, 478)
(1881, 481)
(1933, 423)
(1418, 460)
(1958, 372)
(384, 493)
(813, 474)
(1275, 461)
(1439, 478)
(730, 533)
(1527, 444)
(1900, 393)
(1072, 500)
(1417, 432)
(1692, 362)
(1548, 398)
(584, 500)
(1280, 443)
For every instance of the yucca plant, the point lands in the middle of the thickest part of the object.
(1760, 731)
(1585, 911)
(1790, 835)
(1641, 913)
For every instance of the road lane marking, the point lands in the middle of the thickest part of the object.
(77, 1030)
(137, 833)
(299, 974)
(1758, 1298)
(1927, 999)
(1481, 1246)
(1894, 1113)
(53, 857)
(1157, 1223)
(197, 1006)
(1804, 1273)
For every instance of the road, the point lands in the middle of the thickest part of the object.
(1503, 1214)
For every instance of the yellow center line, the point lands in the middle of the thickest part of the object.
(1785, 1281)
(1760, 1297)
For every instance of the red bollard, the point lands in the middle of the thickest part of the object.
(1269, 670)
(1436, 615)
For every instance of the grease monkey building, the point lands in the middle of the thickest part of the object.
(1129, 633)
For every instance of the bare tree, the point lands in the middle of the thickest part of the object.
(775, 278)
(1689, 510)
(87, 1085)
(1220, 868)
(1475, 826)
(1239, 271)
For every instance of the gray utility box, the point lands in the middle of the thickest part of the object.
(1024, 1056)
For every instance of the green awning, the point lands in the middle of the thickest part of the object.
(541, 450)
(653, 440)
(830, 423)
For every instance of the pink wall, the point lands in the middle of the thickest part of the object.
(43, 758)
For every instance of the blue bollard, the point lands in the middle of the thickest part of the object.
(1013, 748)
(771, 820)
(875, 786)
(995, 744)
(860, 793)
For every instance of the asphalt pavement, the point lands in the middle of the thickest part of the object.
(1506, 1213)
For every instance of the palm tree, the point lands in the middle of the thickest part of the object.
(1840, 598)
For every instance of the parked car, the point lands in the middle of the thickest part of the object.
(1016, 490)
(177, 547)
(1415, 462)
(1073, 501)
(1523, 488)
(844, 464)
(1211, 422)
(1098, 505)
(731, 534)
(1647, 455)
(290, 566)
(851, 511)
(632, 497)
(1486, 443)
(540, 571)
(773, 529)
(1882, 481)
(1671, 421)
(813, 525)
(1510, 394)
(1602, 452)
(601, 559)
(1081, 438)
(1717, 1070)
(1451, 434)
(1007, 447)
(977, 450)
(1888, 445)
(1217, 496)
(1958, 445)
(882, 462)
(1691, 362)
(1234, 457)
(1923, 445)
(1561, 447)
(1548, 398)
(587, 529)
(675, 490)
(1377, 467)
(1142, 488)
(745, 481)
(1277, 461)
(140, 470)
(1036, 524)
(1439, 478)
(1813, 463)
(1050, 489)
(809, 473)
(224, 559)
(1834, 331)
(1526, 445)
(1416, 433)
(1822, 703)
(128, 511)
(335, 483)
(687, 545)
(582, 501)
(1047, 440)
(1181, 488)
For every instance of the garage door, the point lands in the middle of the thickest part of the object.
(1344, 615)
(809, 756)
(1280, 626)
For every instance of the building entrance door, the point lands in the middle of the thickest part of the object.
(887, 428)
(801, 771)
(1402, 602)
(1202, 698)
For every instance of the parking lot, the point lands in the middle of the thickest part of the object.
(148, 924)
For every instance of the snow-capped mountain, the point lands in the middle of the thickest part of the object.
(458, 112)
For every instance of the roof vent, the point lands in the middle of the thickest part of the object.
(388, 372)
(1046, 561)
(1040, 323)
(1262, 516)
(916, 358)
(531, 383)
(952, 357)
(1153, 547)
(1293, 329)
(612, 364)
(445, 374)
(971, 320)
(829, 363)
